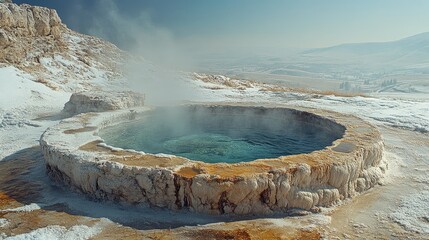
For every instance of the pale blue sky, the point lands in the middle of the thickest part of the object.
(255, 23)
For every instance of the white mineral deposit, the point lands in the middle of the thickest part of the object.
(214, 120)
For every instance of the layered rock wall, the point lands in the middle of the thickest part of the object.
(21, 25)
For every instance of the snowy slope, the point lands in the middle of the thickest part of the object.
(22, 100)
(40, 69)
(20, 91)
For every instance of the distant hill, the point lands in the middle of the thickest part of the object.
(410, 52)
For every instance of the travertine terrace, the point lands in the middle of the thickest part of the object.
(101, 101)
(78, 157)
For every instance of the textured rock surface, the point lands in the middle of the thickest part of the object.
(100, 101)
(34, 40)
(21, 24)
(322, 178)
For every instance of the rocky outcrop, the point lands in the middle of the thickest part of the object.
(353, 164)
(20, 25)
(35, 40)
(100, 101)
(29, 21)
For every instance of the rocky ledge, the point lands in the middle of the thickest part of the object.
(76, 156)
(101, 101)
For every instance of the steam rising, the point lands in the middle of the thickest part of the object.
(156, 56)
(139, 36)
(225, 134)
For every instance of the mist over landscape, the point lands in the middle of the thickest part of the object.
(222, 119)
(284, 39)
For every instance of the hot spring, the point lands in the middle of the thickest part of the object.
(265, 143)
(216, 134)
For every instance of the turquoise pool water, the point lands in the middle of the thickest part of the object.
(220, 134)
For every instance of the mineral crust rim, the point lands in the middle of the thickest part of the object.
(77, 156)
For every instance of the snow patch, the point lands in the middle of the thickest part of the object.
(413, 212)
(26, 208)
(412, 115)
(59, 232)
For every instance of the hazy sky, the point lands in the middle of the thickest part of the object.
(247, 24)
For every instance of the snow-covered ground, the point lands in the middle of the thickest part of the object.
(409, 114)
(32, 97)
(22, 101)
(54, 232)
(402, 112)
(20, 91)
(28, 107)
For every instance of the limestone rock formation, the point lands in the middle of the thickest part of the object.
(34, 40)
(22, 24)
(98, 101)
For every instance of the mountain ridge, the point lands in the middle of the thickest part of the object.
(419, 41)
